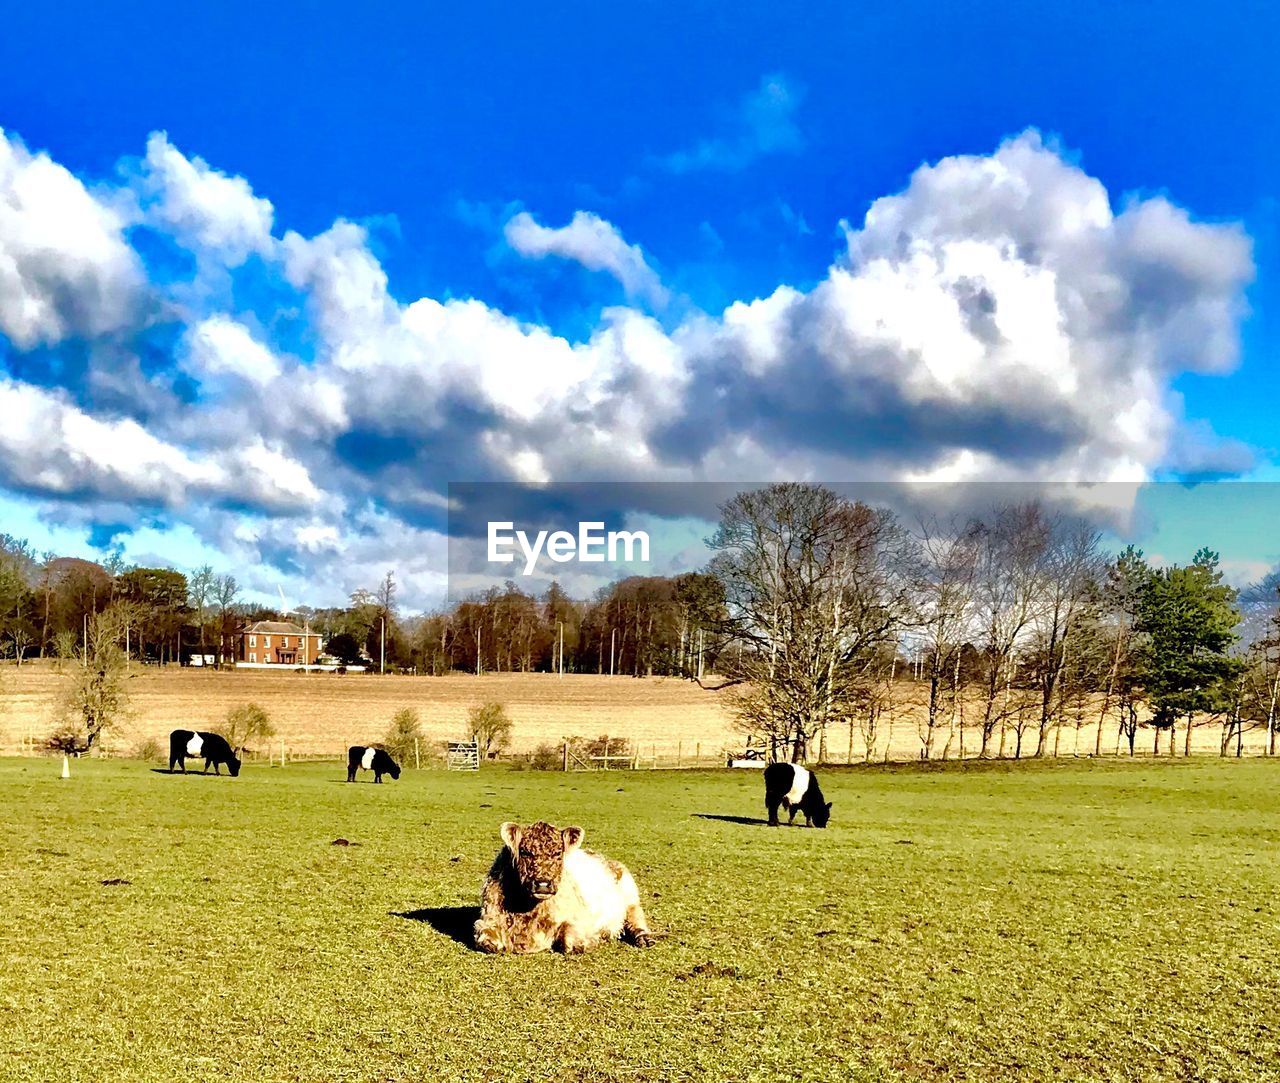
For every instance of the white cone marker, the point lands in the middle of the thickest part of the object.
(66, 767)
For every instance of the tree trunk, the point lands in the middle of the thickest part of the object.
(1106, 699)
(957, 708)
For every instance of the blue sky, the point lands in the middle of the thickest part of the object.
(713, 153)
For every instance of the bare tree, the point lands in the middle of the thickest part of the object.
(876, 702)
(225, 592)
(943, 596)
(96, 695)
(491, 726)
(814, 585)
(1069, 576)
(1117, 626)
(200, 593)
(1010, 551)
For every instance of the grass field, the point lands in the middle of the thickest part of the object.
(1057, 921)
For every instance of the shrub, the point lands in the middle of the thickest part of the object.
(246, 723)
(405, 730)
(492, 727)
(546, 758)
(148, 749)
(604, 746)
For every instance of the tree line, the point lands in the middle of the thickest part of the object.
(995, 634)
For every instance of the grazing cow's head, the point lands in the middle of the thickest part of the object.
(822, 814)
(233, 766)
(538, 852)
(393, 769)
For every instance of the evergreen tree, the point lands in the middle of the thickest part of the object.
(1190, 616)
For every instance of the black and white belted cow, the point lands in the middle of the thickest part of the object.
(370, 758)
(211, 747)
(795, 788)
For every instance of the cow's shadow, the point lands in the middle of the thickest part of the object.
(750, 821)
(456, 922)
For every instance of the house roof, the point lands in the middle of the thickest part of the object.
(283, 627)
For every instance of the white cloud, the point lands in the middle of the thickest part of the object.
(204, 209)
(65, 268)
(997, 319)
(222, 347)
(594, 243)
(52, 447)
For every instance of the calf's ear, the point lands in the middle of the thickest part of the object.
(572, 836)
(828, 806)
(510, 833)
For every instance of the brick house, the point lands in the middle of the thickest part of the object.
(277, 643)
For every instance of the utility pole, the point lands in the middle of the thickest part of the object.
(561, 624)
(613, 636)
(382, 664)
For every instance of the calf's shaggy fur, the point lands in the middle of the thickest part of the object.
(546, 892)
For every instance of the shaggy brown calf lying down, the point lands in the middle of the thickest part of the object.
(544, 891)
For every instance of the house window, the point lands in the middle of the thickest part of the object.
(253, 641)
(266, 641)
(253, 656)
(284, 641)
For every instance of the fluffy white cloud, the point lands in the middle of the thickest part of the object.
(596, 244)
(52, 447)
(65, 267)
(1000, 318)
(996, 319)
(205, 210)
(220, 347)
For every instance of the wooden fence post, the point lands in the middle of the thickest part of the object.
(417, 760)
(566, 756)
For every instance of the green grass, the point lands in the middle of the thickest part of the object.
(1070, 921)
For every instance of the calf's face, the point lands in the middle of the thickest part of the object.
(538, 852)
(234, 767)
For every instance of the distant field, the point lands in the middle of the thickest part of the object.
(321, 714)
(1065, 921)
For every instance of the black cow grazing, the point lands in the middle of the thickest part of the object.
(211, 747)
(370, 759)
(796, 788)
